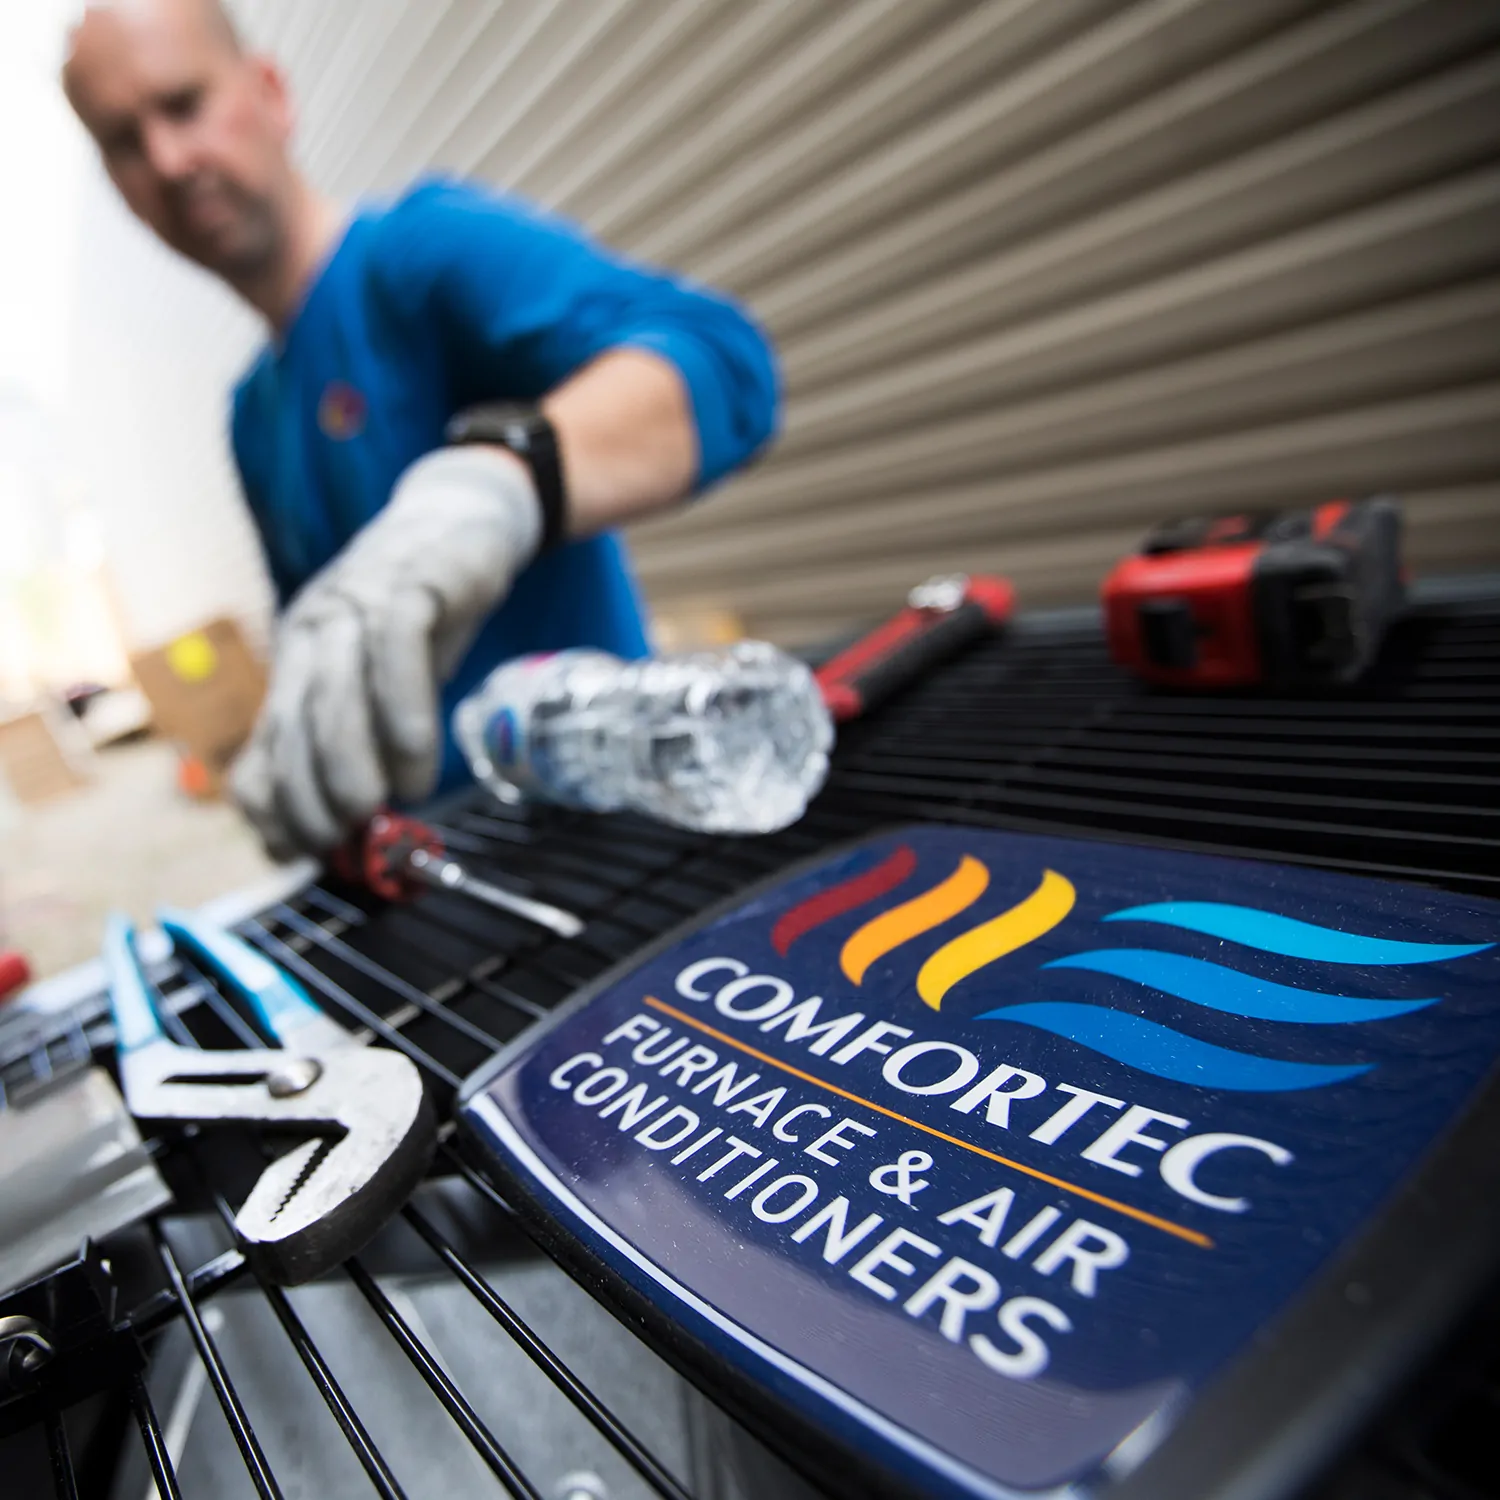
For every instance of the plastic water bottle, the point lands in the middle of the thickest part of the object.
(734, 740)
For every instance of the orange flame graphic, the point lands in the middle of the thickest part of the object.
(1024, 923)
(882, 934)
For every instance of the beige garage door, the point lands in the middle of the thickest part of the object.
(1041, 271)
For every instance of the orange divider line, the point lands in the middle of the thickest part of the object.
(1192, 1236)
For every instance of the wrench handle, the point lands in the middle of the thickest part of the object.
(281, 1004)
(912, 643)
(137, 1024)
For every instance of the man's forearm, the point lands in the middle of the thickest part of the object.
(629, 445)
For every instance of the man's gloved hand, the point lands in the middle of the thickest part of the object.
(351, 718)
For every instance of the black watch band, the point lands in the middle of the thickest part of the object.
(531, 437)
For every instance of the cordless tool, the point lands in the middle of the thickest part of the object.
(1287, 598)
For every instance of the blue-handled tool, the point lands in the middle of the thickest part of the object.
(283, 1007)
(370, 1131)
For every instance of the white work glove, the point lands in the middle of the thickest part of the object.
(351, 718)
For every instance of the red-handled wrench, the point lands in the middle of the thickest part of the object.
(941, 617)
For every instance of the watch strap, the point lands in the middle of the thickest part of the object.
(526, 432)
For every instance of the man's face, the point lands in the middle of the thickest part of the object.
(192, 132)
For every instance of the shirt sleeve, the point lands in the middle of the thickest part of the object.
(522, 300)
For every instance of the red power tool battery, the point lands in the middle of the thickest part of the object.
(1283, 598)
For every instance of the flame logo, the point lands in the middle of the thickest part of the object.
(971, 951)
(1024, 923)
(889, 931)
(1146, 1045)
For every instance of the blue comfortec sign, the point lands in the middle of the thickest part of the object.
(987, 1151)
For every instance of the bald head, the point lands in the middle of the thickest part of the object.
(208, 16)
(194, 131)
(219, 23)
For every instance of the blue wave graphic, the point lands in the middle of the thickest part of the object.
(1143, 1044)
(1287, 936)
(1234, 993)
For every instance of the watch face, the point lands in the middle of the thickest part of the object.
(980, 1154)
(519, 428)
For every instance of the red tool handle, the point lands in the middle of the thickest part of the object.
(377, 857)
(15, 973)
(943, 616)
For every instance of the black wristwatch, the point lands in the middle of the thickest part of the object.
(530, 436)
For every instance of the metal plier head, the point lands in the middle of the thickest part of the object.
(369, 1128)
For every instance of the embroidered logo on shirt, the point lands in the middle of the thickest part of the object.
(341, 412)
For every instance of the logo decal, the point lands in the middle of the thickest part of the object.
(1146, 1045)
(1253, 928)
(893, 929)
(1151, 1047)
(1059, 1124)
(1167, 1053)
(1024, 923)
(846, 896)
(1028, 920)
(1228, 990)
(341, 411)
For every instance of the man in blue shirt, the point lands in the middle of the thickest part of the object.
(417, 532)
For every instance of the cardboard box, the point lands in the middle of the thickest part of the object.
(42, 755)
(205, 690)
(695, 625)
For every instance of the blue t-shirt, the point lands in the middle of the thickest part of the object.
(446, 298)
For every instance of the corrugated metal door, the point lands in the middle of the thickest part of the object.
(1041, 271)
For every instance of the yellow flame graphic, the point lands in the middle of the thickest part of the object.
(912, 918)
(1039, 913)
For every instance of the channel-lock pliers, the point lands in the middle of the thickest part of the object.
(370, 1128)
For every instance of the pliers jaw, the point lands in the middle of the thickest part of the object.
(369, 1128)
(326, 1198)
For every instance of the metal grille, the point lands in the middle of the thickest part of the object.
(1394, 777)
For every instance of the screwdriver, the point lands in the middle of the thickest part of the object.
(396, 853)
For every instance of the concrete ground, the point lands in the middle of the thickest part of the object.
(128, 841)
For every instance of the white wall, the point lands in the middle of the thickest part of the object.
(156, 346)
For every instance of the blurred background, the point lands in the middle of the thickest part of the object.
(1042, 272)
